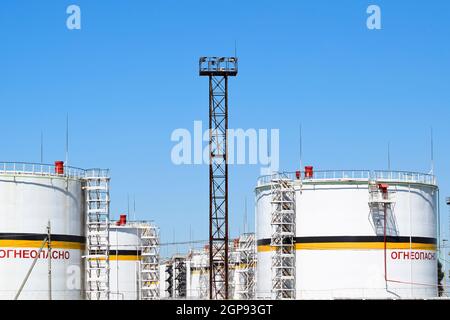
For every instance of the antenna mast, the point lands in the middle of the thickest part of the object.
(432, 151)
(245, 216)
(301, 147)
(67, 140)
(389, 156)
(42, 147)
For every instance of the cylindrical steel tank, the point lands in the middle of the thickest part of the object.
(31, 195)
(343, 247)
(125, 257)
(134, 260)
(198, 268)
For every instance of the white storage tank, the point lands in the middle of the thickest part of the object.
(186, 277)
(31, 195)
(134, 260)
(198, 268)
(163, 283)
(344, 248)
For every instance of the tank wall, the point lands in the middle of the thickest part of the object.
(163, 284)
(340, 252)
(194, 269)
(124, 263)
(27, 203)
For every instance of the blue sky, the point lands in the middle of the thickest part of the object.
(129, 78)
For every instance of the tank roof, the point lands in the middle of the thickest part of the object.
(352, 175)
(132, 224)
(49, 170)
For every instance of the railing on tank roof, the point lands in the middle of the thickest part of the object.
(40, 169)
(405, 176)
(136, 224)
(363, 175)
(96, 173)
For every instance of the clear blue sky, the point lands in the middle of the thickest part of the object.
(129, 78)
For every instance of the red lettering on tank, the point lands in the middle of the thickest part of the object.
(26, 254)
(414, 255)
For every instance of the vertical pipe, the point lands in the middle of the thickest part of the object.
(49, 246)
(410, 240)
(117, 261)
(211, 256)
(385, 245)
(438, 212)
(226, 193)
(138, 263)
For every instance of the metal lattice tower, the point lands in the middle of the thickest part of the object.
(246, 270)
(218, 70)
(179, 277)
(96, 187)
(150, 254)
(283, 239)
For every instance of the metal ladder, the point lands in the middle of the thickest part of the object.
(381, 204)
(150, 254)
(96, 187)
(245, 289)
(283, 239)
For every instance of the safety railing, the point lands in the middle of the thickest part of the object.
(352, 175)
(39, 169)
(96, 173)
(218, 66)
(405, 176)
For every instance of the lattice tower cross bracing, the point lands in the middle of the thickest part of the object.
(218, 70)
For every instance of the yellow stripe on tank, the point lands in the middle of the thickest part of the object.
(124, 258)
(356, 246)
(36, 244)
